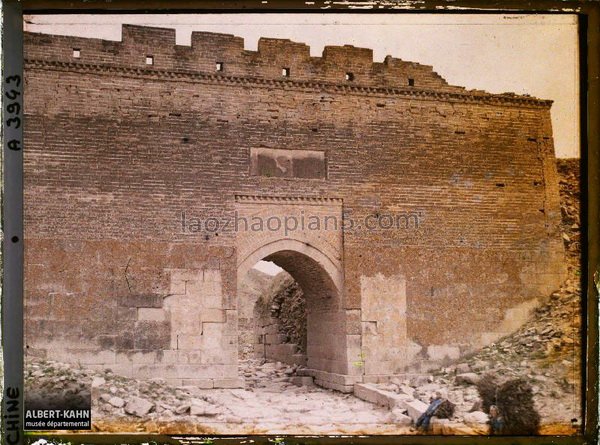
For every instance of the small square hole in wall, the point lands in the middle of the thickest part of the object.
(149, 60)
(411, 82)
(219, 66)
(76, 53)
(350, 77)
(285, 72)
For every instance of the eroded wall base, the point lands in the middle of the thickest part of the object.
(143, 310)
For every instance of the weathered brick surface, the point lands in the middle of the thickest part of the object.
(141, 301)
(117, 151)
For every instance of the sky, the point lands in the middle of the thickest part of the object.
(525, 54)
(268, 267)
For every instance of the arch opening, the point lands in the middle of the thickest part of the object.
(297, 313)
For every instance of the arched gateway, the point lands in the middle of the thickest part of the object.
(312, 255)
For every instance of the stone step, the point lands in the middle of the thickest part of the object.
(389, 399)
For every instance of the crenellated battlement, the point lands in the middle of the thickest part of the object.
(154, 50)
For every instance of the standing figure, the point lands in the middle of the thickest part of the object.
(496, 421)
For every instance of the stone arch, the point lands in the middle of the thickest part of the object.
(321, 279)
(273, 251)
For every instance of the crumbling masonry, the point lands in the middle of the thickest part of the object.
(133, 146)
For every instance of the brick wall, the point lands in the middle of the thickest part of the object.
(117, 150)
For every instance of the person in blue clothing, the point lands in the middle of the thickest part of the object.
(425, 418)
(496, 421)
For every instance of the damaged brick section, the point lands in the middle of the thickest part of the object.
(288, 163)
(141, 301)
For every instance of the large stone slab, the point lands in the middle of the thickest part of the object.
(370, 393)
(389, 399)
(415, 408)
(138, 407)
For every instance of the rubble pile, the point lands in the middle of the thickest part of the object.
(570, 199)
(259, 373)
(67, 386)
